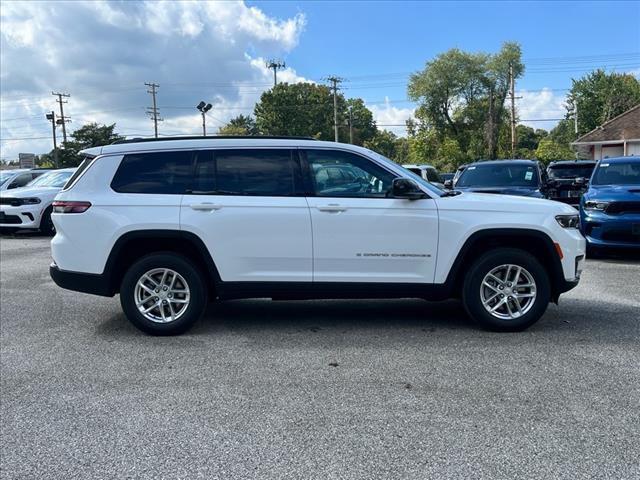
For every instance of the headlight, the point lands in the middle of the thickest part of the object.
(595, 205)
(568, 221)
(31, 201)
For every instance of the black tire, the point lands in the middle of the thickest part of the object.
(471, 293)
(193, 278)
(46, 224)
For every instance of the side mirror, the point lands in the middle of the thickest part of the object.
(448, 184)
(406, 188)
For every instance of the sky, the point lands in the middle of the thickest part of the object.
(102, 53)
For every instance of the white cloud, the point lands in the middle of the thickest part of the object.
(391, 118)
(538, 105)
(102, 53)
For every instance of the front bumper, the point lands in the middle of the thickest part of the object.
(614, 231)
(24, 216)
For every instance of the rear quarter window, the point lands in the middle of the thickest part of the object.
(156, 172)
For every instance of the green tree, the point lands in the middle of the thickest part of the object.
(87, 136)
(384, 142)
(240, 125)
(528, 140)
(306, 109)
(461, 97)
(364, 126)
(548, 150)
(601, 96)
(299, 109)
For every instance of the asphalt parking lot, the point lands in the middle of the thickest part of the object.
(322, 389)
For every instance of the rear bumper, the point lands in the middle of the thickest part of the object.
(95, 284)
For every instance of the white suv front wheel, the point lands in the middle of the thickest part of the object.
(506, 289)
(163, 294)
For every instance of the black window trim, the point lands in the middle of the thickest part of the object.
(306, 168)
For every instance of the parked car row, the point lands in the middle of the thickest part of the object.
(29, 206)
(607, 192)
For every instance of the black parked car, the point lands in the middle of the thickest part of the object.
(525, 178)
(569, 179)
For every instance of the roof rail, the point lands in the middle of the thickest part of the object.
(212, 137)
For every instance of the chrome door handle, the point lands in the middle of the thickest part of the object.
(331, 208)
(205, 206)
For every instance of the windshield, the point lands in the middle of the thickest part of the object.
(51, 179)
(5, 176)
(495, 175)
(619, 173)
(571, 171)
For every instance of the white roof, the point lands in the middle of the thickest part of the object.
(213, 142)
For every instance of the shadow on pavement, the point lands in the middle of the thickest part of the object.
(574, 320)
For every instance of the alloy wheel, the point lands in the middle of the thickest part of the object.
(162, 295)
(508, 292)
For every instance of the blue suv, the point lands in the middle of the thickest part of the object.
(610, 208)
(524, 178)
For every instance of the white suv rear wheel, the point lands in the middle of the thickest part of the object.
(163, 294)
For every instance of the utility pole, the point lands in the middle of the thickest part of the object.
(350, 124)
(275, 65)
(153, 111)
(335, 81)
(512, 94)
(204, 108)
(62, 120)
(575, 118)
(52, 118)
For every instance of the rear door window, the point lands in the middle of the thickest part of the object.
(256, 172)
(155, 173)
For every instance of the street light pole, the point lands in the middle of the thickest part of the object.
(204, 108)
(52, 118)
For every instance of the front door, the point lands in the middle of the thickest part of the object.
(248, 208)
(359, 233)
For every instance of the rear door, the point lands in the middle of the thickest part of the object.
(361, 235)
(248, 207)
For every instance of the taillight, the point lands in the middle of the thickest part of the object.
(61, 206)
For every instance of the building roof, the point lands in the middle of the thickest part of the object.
(625, 126)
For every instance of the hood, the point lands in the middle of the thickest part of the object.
(517, 191)
(27, 192)
(483, 202)
(613, 192)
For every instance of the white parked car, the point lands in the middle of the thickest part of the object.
(170, 223)
(30, 207)
(10, 179)
(426, 172)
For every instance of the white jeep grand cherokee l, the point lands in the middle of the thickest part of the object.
(170, 224)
